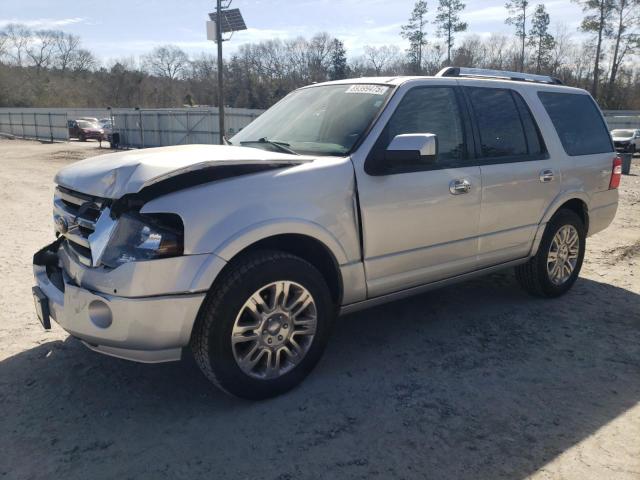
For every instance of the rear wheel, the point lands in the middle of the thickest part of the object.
(264, 325)
(556, 266)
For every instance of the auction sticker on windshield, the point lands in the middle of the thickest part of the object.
(370, 89)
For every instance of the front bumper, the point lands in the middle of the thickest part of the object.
(146, 329)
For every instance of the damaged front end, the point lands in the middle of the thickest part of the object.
(121, 280)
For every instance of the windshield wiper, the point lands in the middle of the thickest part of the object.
(281, 146)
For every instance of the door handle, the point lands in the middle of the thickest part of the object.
(458, 187)
(546, 176)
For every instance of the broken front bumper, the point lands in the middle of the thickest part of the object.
(146, 329)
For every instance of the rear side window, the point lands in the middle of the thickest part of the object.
(501, 130)
(578, 122)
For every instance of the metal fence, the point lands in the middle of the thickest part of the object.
(137, 128)
(156, 128)
(43, 125)
(622, 118)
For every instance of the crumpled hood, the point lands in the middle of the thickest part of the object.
(116, 174)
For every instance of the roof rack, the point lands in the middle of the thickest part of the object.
(500, 74)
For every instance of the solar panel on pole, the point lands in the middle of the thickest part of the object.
(226, 21)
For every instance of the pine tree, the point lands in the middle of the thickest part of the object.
(448, 21)
(540, 38)
(338, 64)
(415, 32)
(518, 18)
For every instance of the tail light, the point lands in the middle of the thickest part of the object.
(616, 173)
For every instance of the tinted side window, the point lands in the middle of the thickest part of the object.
(499, 124)
(578, 123)
(535, 144)
(424, 110)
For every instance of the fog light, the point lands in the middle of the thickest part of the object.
(100, 314)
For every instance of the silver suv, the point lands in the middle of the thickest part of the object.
(342, 196)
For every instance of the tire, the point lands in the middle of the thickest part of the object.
(82, 138)
(534, 276)
(225, 312)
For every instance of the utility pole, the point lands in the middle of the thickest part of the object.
(223, 20)
(220, 71)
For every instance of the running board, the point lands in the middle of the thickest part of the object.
(390, 297)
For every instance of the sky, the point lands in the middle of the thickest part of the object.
(124, 28)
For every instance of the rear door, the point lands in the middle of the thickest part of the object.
(416, 228)
(519, 177)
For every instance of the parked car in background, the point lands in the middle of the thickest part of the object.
(84, 130)
(107, 127)
(626, 140)
(89, 119)
(342, 196)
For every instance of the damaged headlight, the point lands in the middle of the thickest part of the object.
(144, 237)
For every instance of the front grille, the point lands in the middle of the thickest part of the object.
(80, 213)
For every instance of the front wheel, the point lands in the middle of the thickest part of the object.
(264, 325)
(556, 266)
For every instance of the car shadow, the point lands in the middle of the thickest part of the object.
(477, 380)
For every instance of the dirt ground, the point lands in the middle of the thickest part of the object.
(475, 381)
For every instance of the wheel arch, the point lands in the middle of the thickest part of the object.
(576, 202)
(302, 245)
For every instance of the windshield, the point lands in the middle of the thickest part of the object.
(622, 133)
(84, 124)
(323, 120)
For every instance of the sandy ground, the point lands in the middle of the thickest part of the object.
(476, 381)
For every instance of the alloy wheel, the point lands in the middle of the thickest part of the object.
(274, 329)
(563, 254)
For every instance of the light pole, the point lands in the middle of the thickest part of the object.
(220, 73)
(222, 21)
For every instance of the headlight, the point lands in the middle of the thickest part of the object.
(144, 237)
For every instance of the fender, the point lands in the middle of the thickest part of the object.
(259, 231)
(561, 199)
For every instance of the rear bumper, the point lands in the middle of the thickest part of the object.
(147, 329)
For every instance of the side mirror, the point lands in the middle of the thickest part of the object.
(414, 148)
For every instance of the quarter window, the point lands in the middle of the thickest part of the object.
(578, 122)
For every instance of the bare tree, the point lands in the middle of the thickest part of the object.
(82, 60)
(18, 37)
(318, 55)
(562, 48)
(449, 23)
(40, 50)
(518, 10)
(4, 44)
(167, 61)
(66, 47)
(598, 23)
(380, 58)
(497, 51)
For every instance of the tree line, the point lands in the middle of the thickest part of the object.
(52, 68)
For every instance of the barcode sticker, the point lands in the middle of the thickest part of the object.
(369, 89)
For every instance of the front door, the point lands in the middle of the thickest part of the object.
(420, 222)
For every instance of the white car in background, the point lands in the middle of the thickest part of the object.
(626, 140)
